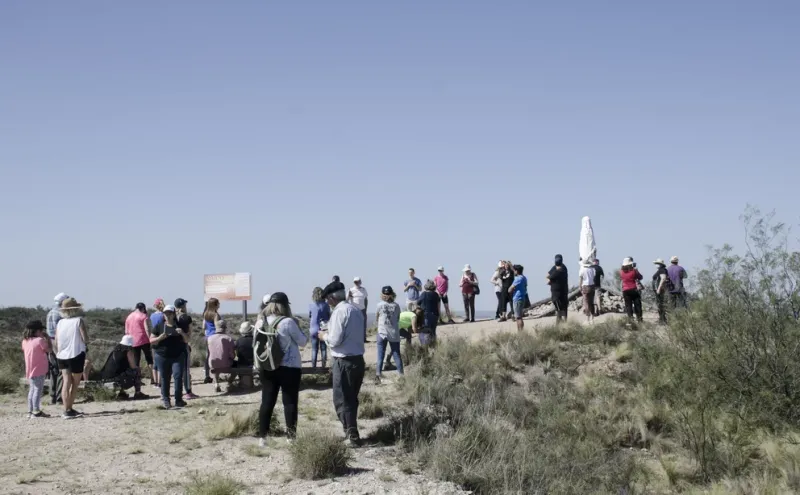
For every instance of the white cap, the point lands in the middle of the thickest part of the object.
(357, 279)
(245, 328)
(674, 259)
(60, 297)
(467, 268)
(169, 307)
(265, 299)
(127, 340)
(440, 269)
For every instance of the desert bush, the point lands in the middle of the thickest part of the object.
(213, 484)
(12, 366)
(316, 455)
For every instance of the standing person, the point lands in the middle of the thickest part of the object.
(36, 348)
(138, 326)
(519, 291)
(318, 312)
(210, 319)
(599, 275)
(56, 380)
(496, 281)
(661, 285)
(336, 284)
(630, 289)
(429, 303)
(156, 319)
(169, 346)
(387, 319)
(347, 348)
(358, 298)
(558, 279)
(412, 287)
(442, 287)
(507, 279)
(277, 316)
(676, 276)
(185, 325)
(586, 279)
(70, 343)
(468, 284)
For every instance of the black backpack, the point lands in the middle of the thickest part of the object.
(267, 352)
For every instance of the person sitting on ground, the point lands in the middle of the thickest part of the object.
(244, 346)
(429, 303)
(277, 317)
(121, 368)
(387, 319)
(36, 348)
(221, 353)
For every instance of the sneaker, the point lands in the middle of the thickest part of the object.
(140, 396)
(40, 414)
(166, 405)
(353, 442)
(69, 414)
(377, 380)
(77, 413)
(191, 396)
(218, 389)
(451, 321)
(122, 395)
(208, 380)
(179, 404)
(262, 442)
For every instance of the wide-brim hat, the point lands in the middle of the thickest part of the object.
(245, 328)
(659, 261)
(627, 262)
(70, 303)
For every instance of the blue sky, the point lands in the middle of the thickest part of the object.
(144, 144)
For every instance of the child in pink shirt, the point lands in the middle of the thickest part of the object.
(35, 346)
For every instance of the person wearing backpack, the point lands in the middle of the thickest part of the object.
(661, 286)
(277, 343)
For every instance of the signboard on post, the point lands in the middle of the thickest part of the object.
(227, 287)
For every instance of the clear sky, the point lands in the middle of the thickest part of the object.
(143, 144)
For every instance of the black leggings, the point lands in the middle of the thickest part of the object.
(286, 380)
(633, 303)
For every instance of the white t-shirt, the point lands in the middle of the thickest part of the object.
(587, 275)
(69, 339)
(358, 297)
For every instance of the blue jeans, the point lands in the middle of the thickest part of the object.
(318, 346)
(395, 348)
(171, 369)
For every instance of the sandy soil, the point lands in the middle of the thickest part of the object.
(134, 447)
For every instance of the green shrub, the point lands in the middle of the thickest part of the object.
(213, 484)
(316, 455)
(370, 406)
(237, 425)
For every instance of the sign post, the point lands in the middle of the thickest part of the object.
(228, 287)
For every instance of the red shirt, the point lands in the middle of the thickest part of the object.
(629, 278)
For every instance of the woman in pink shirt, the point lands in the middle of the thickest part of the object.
(442, 286)
(137, 325)
(36, 347)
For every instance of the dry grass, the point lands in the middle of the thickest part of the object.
(370, 406)
(213, 484)
(235, 425)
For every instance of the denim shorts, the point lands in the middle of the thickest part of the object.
(518, 308)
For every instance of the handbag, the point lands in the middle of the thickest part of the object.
(476, 287)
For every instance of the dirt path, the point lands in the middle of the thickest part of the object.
(134, 447)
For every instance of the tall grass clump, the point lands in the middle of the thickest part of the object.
(213, 484)
(316, 455)
(12, 366)
(238, 425)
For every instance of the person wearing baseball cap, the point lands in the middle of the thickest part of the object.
(184, 322)
(387, 316)
(56, 380)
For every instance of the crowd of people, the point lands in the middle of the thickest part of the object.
(271, 347)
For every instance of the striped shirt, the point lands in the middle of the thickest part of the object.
(52, 320)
